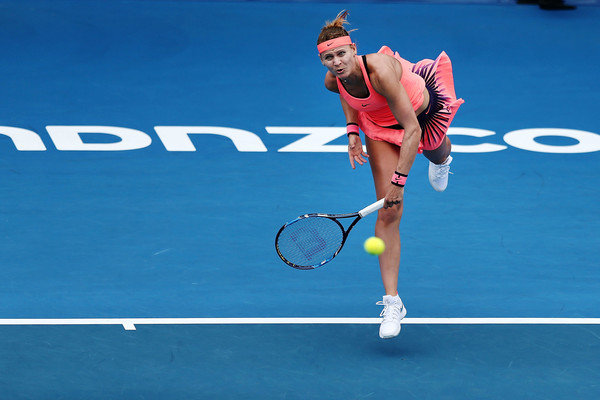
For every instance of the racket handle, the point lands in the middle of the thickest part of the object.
(372, 208)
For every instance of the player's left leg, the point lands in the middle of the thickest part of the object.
(439, 164)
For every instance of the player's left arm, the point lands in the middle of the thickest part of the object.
(385, 78)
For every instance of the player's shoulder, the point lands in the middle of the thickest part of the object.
(383, 67)
(331, 82)
(380, 60)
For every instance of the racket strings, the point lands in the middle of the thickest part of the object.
(310, 241)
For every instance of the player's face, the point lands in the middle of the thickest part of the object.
(339, 61)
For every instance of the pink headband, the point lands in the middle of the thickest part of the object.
(333, 43)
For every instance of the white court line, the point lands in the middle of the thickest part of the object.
(130, 323)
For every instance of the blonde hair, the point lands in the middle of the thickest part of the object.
(334, 29)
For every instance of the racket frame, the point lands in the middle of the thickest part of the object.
(334, 217)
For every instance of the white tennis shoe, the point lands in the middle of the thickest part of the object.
(438, 174)
(393, 312)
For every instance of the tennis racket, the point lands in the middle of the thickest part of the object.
(312, 240)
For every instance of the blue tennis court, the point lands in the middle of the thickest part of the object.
(152, 149)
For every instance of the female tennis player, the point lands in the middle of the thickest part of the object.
(403, 109)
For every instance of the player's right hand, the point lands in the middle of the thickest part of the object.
(356, 152)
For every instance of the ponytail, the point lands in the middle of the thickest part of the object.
(334, 29)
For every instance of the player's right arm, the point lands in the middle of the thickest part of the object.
(356, 152)
(331, 82)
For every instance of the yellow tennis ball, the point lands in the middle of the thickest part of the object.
(374, 245)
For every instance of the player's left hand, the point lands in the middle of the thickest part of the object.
(394, 197)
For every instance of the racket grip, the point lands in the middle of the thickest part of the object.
(371, 208)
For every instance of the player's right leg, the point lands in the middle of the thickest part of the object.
(383, 158)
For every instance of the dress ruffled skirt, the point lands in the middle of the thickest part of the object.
(436, 119)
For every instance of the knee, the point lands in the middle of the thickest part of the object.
(441, 153)
(389, 217)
